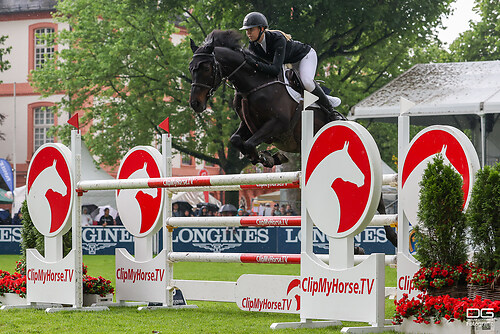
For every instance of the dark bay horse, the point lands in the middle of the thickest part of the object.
(267, 113)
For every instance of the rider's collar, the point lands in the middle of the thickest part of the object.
(263, 43)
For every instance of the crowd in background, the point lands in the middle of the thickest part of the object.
(106, 219)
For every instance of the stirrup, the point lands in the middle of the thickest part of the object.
(334, 115)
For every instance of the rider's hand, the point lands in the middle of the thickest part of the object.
(251, 60)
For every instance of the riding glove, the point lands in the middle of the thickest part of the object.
(251, 60)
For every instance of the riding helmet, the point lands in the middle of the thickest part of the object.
(254, 19)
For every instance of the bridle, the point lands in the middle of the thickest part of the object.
(218, 78)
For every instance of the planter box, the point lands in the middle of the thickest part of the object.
(477, 326)
(12, 299)
(89, 299)
(445, 327)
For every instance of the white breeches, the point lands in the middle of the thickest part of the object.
(307, 69)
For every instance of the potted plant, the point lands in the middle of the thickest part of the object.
(96, 289)
(12, 288)
(440, 234)
(483, 219)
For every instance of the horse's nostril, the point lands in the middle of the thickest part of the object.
(195, 104)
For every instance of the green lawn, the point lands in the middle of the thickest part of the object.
(210, 317)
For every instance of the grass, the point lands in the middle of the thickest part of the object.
(210, 317)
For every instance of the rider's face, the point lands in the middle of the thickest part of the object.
(253, 33)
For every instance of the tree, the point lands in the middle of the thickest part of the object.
(482, 41)
(483, 218)
(441, 229)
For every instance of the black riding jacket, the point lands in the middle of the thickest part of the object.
(279, 51)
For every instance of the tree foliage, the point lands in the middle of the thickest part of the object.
(482, 41)
(483, 217)
(440, 233)
(4, 64)
(119, 64)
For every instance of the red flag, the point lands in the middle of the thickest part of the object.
(74, 121)
(165, 126)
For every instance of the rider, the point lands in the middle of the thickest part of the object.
(278, 48)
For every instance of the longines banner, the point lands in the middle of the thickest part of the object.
(103, 240)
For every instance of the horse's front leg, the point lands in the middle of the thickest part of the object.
(238, 140)
(269, 130)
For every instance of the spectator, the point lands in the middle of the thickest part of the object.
(18, 218)
(203, 212)
(289, 208)
(106, 219)
(176, 212)
(283, 210)
(276, 210)
(188, 213)
(118, 220)
(86, 219)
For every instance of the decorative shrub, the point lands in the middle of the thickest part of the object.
(440, 233)
(31, 238)
(483, 218)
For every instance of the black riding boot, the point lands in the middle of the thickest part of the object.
(324, 102)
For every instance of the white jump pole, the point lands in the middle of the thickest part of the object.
(190, 181)
(258, 221)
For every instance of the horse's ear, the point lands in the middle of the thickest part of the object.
(193, 45)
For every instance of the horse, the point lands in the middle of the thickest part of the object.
(266, 110)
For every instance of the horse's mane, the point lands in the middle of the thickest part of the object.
(226, 38)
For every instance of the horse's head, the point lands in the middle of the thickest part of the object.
(205, 75)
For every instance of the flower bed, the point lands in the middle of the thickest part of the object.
(433, 309)
(16, 283)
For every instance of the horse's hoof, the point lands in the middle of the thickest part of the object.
(280, 159)
(266, 159)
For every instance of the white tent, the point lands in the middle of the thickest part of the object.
(194, 198)
(90, 171)
(464, 95)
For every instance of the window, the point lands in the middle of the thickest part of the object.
(43, 119)
(40, 50)
(43, 48)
